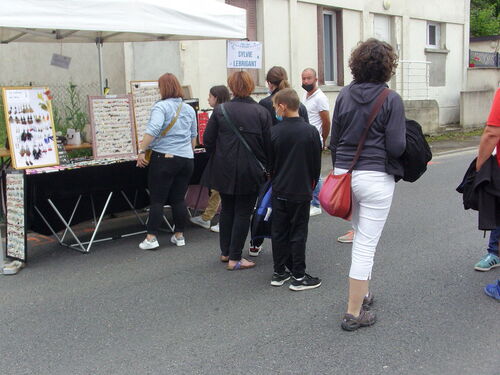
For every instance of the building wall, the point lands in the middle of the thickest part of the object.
(21, 63)
(486, 46)
(288, 30)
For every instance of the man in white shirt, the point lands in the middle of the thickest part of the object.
(318, 111)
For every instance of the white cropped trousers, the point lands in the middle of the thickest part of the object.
(372, 194)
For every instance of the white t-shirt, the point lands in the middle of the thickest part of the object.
(315, 104)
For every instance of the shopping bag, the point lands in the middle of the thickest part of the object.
(336, 197)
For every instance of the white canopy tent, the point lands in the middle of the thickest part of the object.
(99, 21)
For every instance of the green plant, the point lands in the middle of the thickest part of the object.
(75, 117)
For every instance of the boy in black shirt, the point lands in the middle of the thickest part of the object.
(296, 167)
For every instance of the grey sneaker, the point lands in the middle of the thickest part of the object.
(352, 323)
(280, 279)
(304, 283)
(199, 221)
(368, 301)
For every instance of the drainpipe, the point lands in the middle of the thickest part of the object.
(292, 18)
(465, 62)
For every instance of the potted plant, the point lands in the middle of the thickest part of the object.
(75, 118)
(473, 61)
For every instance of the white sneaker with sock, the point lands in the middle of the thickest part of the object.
(178, 241)
(149, 245)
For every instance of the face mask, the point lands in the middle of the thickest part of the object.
(278, 117)
(308, 87)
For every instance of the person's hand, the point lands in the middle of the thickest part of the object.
(141, 161)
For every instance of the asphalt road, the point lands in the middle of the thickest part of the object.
(120, 310)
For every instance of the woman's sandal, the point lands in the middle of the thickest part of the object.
(224, 259)
(240, 266)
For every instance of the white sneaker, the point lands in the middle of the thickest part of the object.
(199, 221)
(215, 228)
(149, 245)
(313, 211)
(178, 241)
(254, 251)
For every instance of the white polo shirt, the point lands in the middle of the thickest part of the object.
(315, 104)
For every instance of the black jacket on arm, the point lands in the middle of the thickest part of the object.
(231, 168)
(296, 159)
(267, 103)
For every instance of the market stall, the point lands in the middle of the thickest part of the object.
(39, 186)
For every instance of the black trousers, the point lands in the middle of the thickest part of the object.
(168, 180)
(234, 223)
(289, 235)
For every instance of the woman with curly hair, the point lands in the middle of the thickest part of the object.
(372, 64)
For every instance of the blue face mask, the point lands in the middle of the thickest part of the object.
(279, 118)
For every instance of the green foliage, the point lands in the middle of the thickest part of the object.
(75, 118)
(485, 17)
(3, 125)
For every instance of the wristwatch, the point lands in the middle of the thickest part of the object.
(142, 152)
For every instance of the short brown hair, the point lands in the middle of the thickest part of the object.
(278, 77)
(241, 84)
(170, 87)
(287, 97)
(373, 61)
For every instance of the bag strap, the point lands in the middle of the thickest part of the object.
(174, 120)
(240, 137)
(374, 112)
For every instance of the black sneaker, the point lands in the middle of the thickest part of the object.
(304, 283)
(280, 279)
(352, 323)
(368, 301)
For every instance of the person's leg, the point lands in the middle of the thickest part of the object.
(244, 205)
(492, 258)
(299, 215)
(493, 243)
(212, 206)
(159, 183)
(373, 194)
(280, 233)
(226, 222)
(184, 168)
(315, 200)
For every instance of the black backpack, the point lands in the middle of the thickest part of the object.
(417, 153)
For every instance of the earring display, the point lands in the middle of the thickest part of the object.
(16, 235)
(111, 121)
(30, 127)
(145, 94)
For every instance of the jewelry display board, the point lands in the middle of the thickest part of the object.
(112, 126)
(145, 94)
(30, 127)
(16, 217)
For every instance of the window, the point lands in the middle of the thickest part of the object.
(330, 47)
(433, 35)
(382, 28)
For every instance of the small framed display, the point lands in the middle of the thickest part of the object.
(30, 127)
(112, 126)
(145, 94)
(16, 215)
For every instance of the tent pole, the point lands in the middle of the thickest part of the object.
(98, 43)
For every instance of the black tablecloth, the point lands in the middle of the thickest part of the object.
(64, 187)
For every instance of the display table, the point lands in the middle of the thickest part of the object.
(57, 198)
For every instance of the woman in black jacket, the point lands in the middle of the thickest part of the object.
(232, 169)
(277, 79)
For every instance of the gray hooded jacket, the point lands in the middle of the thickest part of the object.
(387, 137)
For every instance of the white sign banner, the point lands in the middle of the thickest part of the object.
(244, 55)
